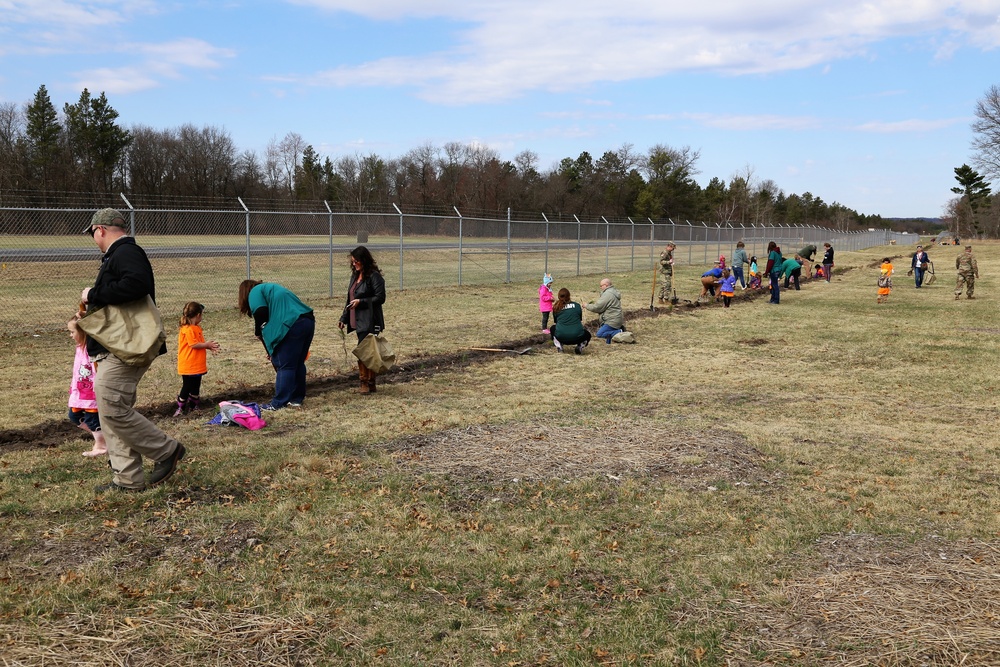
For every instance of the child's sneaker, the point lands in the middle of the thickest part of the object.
(547, 332)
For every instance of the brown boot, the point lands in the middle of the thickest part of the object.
(363, 376)
(371, 381)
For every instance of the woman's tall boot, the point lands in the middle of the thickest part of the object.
(363, 376)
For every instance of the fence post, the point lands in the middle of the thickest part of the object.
(330, 225)
(508, 244)
(459, 245)
(705, 254)
(546, 242)
(607, 241)
(240, 200)
(718, 240)
(400, 246)
(632, 254)
(652, 240)
(131, 214)
(578, 239)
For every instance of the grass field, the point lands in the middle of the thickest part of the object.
(802, 484)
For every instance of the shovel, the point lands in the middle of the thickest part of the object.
(496, 349)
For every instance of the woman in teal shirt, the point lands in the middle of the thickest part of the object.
(285, 326)
(773, 270)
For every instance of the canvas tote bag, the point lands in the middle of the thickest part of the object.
(131, 331)
(375, 352)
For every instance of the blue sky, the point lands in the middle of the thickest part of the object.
(866, 103)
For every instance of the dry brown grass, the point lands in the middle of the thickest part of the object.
(149, 636)
(862, 599)
(812, 483)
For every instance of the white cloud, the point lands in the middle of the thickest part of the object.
(59, 26)
(913, 125)
(505, 48)
(115, 80)
(186, 52)
(756, 122)
(167, 60)
(96, 28)
(60, 13)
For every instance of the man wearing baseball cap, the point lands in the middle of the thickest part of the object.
(125, 275)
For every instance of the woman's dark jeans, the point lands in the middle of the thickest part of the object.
(794, 278)
(775, 286)
(289, 360)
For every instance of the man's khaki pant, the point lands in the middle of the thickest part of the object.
(666, 284)
(129, 435)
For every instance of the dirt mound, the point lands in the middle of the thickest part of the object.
(534, 452)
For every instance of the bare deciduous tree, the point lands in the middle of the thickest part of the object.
(986, 127)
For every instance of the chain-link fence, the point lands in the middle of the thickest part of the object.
(202, 255)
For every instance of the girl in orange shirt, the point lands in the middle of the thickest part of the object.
(884, 280)
(192, 360)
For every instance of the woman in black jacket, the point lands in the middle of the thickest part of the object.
(363, 310)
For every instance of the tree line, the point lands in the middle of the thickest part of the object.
(85, 150)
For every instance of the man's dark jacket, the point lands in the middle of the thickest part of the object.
(125, 275)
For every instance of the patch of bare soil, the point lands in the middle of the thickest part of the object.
(753, 342)
(873, 600)
(61, 555)
(538, 452)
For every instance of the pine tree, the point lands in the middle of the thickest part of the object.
(97, 142)
(44, 134)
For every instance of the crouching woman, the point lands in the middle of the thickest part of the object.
(568, 328)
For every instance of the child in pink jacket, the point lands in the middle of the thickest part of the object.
(545, 300)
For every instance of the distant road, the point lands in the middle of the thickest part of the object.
(181, 252)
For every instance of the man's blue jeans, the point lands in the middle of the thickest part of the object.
(607, 332)
(289, 360)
